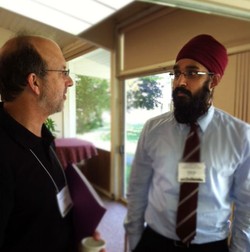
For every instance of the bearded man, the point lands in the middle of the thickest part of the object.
(191, 165)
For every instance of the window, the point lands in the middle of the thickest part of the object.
(91, 74)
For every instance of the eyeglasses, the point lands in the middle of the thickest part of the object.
(64, 72)
(189, 75)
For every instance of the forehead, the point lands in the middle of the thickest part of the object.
(189, 64)
(50, 52)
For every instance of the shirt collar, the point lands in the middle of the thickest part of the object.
(203, 121)
(20, 134)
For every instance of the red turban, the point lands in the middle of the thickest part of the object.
(207, 51)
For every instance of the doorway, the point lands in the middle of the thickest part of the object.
(145, 97)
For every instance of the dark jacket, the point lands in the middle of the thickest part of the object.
(29, 216)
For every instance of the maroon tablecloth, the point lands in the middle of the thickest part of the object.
(74, 150)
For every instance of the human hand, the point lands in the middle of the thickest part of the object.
(97, 236)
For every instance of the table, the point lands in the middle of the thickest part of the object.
(74, 150)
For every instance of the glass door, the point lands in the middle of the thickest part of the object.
(145, 97)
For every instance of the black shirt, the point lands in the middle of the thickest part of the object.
(29, 215)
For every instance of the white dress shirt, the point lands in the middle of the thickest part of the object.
(153, 191)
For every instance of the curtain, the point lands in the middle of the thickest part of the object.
(242, 87)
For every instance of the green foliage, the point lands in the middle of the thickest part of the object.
(133, 132)
(144, 93)
(51, 125)
(92, 99)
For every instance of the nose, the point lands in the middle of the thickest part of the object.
(69, 81)
(181, 81)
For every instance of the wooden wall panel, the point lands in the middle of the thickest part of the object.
(160, 39)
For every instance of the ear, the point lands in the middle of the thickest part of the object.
(34, 83)
(215, 80)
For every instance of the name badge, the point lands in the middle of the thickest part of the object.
(64, 201)
(191, 172)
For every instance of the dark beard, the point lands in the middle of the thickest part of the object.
(188, 108)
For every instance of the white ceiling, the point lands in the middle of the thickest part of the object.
(74, 16)
(95, 63)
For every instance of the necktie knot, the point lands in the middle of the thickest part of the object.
(194, 126)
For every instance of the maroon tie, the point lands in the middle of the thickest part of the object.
(186, 213)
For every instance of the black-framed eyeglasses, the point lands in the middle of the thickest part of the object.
(189, 74)
(64, 72)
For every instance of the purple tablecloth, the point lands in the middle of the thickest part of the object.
(74, 150)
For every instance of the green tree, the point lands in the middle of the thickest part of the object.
(92, 99)
(144, 93)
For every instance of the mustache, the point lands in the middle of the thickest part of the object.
(181, 90)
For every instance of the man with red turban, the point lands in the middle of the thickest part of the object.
(216, 167)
